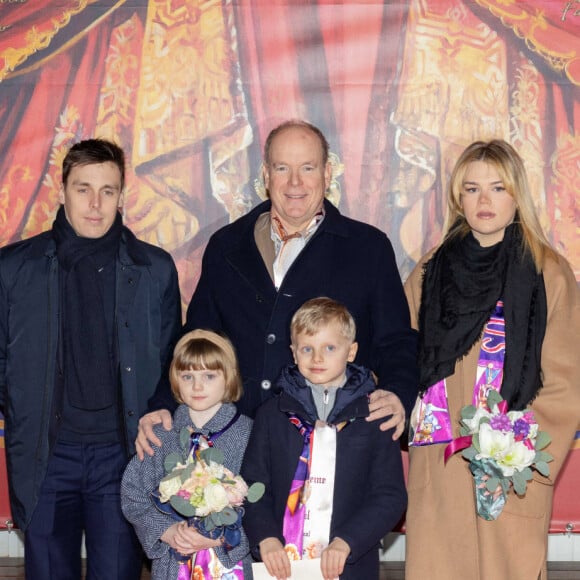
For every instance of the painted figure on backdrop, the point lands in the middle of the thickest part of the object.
(88, 317)
(498, 310)
(257, 271)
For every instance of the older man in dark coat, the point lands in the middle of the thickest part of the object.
(259, 270)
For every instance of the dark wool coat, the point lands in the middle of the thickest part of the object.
(148, 315)
(369, 489)
(346, 260)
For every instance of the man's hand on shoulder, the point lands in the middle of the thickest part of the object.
(146, 436)
(384, 404)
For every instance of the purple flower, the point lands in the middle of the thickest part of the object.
(500, 423)
(521, 427)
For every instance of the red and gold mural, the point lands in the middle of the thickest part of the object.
(190, 89)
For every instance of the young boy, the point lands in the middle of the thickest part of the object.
(311, 444)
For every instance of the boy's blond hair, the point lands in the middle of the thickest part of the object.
(318, 312)
(203, 349)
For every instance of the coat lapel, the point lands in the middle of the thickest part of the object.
(245, 258)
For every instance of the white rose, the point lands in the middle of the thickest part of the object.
(169, 487)
(215, 470)
(215, 497)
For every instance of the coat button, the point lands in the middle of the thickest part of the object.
(265, 384)
(128, 369)
(271, 339)
(130, 413)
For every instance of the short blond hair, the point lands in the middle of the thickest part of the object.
(510, 168)
(204, 349)
(318, 312)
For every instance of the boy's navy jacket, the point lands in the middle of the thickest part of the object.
(369, 489)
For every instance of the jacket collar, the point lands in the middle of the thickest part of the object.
(351, 400)
(243, 254)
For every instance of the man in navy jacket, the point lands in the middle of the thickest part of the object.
(88, 316)
(259, 270)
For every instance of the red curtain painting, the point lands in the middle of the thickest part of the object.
(190, 90)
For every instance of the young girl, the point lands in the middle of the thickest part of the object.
(205, 380)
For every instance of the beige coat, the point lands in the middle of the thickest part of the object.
(445, 538)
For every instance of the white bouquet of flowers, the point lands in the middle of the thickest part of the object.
(502, 447)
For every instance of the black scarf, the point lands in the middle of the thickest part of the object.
(462, 283)
(89, 376)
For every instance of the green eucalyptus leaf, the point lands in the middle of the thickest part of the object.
(464, 431)
(526, 473)
(212, 522)
(519, 483)
(184, 437)
(543, 456)
(491, 484)
(186, 472)
(475, 442)
(468, 412)
(212, 454)
(542, 440)
(493, 398)
(469, 453)
(182, 506)
(256, 491)
(543, 468)
(171, 461)
(228, 516)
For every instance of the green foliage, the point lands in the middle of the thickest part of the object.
(212, 454)
(184, 437)
(542, 440)
(182, 506)
(256, 491)
(468, 412)
(491, 484)
(228, 516)
(543, 468)
(171, 461)
(469, 453)
(493, 398)
(186, 472)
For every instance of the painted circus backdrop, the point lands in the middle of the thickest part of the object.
(190, 89)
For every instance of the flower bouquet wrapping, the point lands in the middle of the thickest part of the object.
(502, 448)
(199, 488)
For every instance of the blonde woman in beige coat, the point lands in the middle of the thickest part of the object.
(494, 250)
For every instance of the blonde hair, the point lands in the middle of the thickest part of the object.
(510, 167)
(203, 349)
(318, 312)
